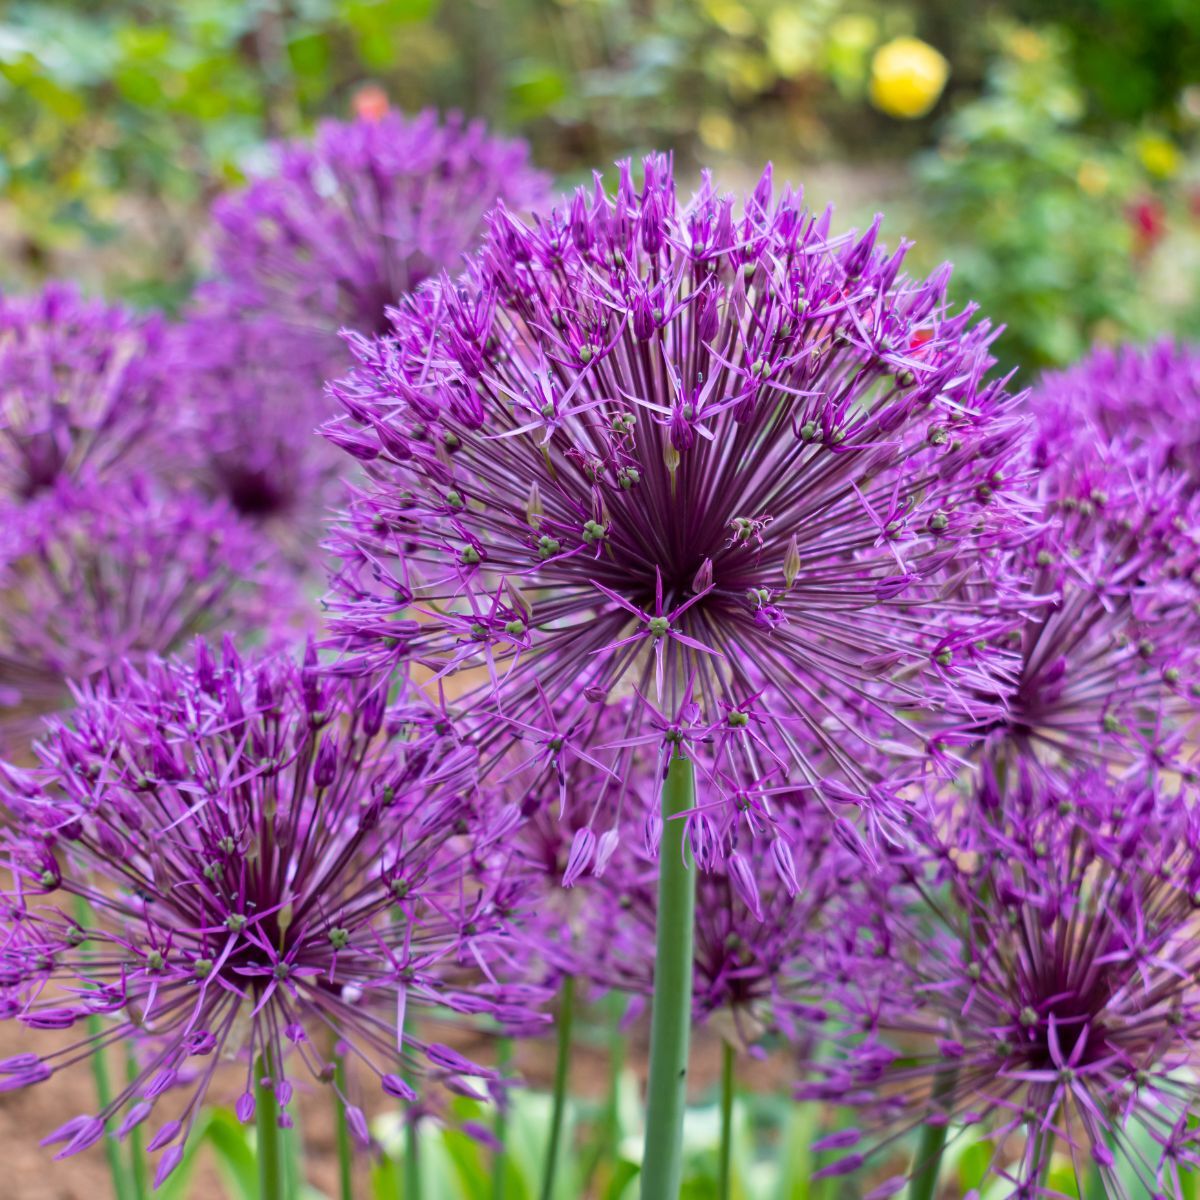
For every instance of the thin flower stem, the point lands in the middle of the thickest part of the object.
(137, 1173)
(562, 1063)
(266, 1117)
(345, 1166)
(410, 1174)
(412, 1159)
(671, 1014)
(617, 1049)
(112, 1148)
(292, 1143)
(500, 1158)
(728, 1088)
(605, 1145)
(928, 1160)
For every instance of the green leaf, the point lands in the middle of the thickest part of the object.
(623, 1175)
(232, 1148)
(799, 1133)
(467, 1158)
(177, 1185)
(385, 1179)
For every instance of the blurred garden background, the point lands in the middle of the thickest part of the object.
(1049, 149)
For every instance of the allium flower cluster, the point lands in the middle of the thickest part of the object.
(764, 915)
(338, 231)
(1043, 982)
(1147, 396)
(344, 226)
(224, 858)
(252, 432)
(1105, 669)
(91, 575)
(726, 460)
(84, 386)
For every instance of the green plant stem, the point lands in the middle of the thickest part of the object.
(1046, 1141)
(928, 1160)
(725, 1157)
(266, 1119)
(345, 1166)
(671, 1012)
(412, 1160)
(291, 1141)
(500, 1159)
(410, 1173)
(617, 1049)
(112, 1148)
(562, 1063)
(95, 1028)
(137, 1161)
(605, 1144)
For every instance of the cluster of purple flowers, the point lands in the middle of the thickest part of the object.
(93, 576)
(85, 388)
(219, 856)
(341, 227)
(728, 462)
(637, 479)
(328, 239)
(211, 858)
(1038, 974)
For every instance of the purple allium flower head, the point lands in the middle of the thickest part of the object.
(267, 871)
(92, 574)
(727, 460)
(763, 915)
(84, 388)
(347, 224)
(1147, 396)
(252, 427)
(1044, 985)
(341, 229)
(1104, 668)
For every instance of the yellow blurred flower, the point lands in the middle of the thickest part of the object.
(1159, 155)
(735, 19)
(1027, 45)
(791, 41)
(1093, 177)
(907, 77)
(716, 130)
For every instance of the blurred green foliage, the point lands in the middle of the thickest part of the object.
(1054, 171)
(1052, 226)
(1134, 58)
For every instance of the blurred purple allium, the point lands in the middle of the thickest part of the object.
(252, 432)
(732, 462)
(341, 228)
(1043, 987)
(1105, 668)
(346, 224)
(1148, 397)
(763, 917)
(240, 859)
(93, 574)
(84, 388)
